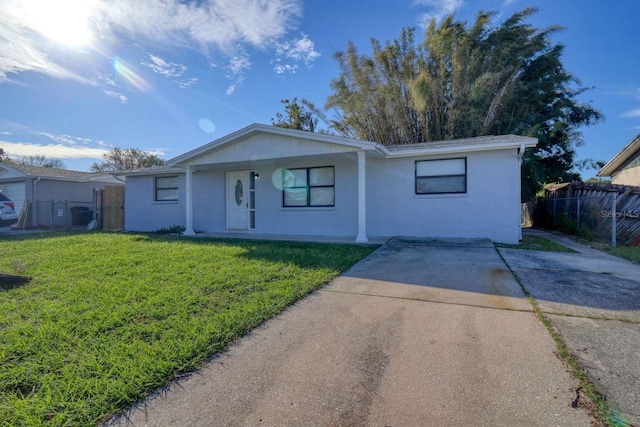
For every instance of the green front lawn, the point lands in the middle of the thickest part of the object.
(108, 318)
(630, 253)
(536, 243)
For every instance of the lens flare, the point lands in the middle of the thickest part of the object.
(207, 125)
(131, 77)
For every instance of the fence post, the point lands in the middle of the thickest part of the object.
(613, 219)
(554, 211)
(578, 216)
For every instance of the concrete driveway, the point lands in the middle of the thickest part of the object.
(593, 301)
(420, 333)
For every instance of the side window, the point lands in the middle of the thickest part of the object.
(166, 189)
(441, 176)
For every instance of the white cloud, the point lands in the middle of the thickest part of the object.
(438, 9)
(203, 25)
(288, 53)
(66, 139)
(238, 64)
(299, 50)
(106, 80)
(235, 69)
(57, 151)
(5, 133)
(171, 70)
(631, 114)
(116, 95)
(286, 68)
(167, 69)
(186, 83)
(209, 23)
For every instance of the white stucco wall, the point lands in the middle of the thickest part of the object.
(489, 209)
(271, 218)
(142, 213)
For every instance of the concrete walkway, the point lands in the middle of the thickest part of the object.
(592, 299)
(420, 333)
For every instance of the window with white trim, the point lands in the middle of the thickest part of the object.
(166, 189)
(441, 176)
(308, 187)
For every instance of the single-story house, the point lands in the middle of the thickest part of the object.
(624, 167)
(274, 181)
(52, 192)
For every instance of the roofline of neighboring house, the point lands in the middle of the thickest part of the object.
(623, 155)
(90, 177)
(153, 171)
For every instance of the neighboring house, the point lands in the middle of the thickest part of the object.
(624, 168)
(269, 180)
(50, 190)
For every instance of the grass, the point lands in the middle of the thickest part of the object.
(109, 318)
(630, 253)
(536, 243)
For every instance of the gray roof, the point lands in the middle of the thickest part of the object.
(463, 142)
(52, 172)
(62, 174)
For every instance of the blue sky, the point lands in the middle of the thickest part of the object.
(78, 77)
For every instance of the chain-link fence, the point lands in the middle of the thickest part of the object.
(597, 211)
(63, 214)
(591, 218)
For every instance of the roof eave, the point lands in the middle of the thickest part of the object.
(147, 172)
(259, 128)
(623, 155)
(530, 142)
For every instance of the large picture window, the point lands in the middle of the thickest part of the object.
(166, 189)
(308, 187)
(441, 176)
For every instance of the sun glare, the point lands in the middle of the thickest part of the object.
(62, 21)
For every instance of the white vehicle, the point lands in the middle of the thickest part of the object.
(8, 213)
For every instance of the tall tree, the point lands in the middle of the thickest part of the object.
(464, 81)
(41, 160)
(4, 157)
(296, 116)
(118, 159)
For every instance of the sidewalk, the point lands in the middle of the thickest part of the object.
(592, 299)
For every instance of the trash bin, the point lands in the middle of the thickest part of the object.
(80, 215)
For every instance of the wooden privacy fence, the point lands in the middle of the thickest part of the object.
(598, 208)
(110, 201)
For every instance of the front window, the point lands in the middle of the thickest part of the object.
(166, 189)
(441, 176)
(308, 187)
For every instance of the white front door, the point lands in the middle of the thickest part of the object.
(238, 200)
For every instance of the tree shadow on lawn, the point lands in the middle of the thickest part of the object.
(8, 281)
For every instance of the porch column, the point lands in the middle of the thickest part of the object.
(362, 205)
(189, 201)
